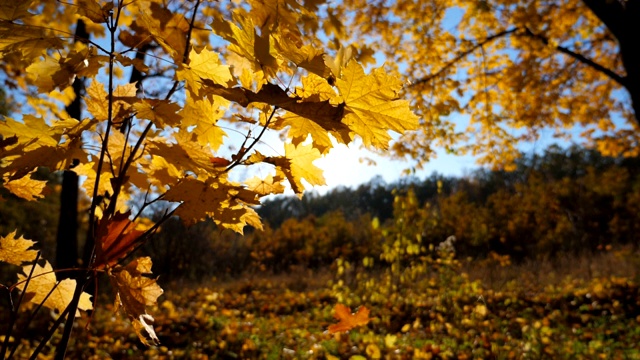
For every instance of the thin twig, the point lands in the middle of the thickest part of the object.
(241, 154)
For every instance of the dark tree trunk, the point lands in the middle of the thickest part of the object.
(621, 18)
(67, 235)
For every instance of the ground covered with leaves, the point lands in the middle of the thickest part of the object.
(274, 318)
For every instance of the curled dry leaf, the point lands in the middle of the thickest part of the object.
(348, 320)
(135, 290)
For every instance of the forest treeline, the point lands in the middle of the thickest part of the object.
(562, 201)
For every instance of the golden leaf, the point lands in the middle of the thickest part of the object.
(226, 203)
(160, 112)
(32, 129)
(186, 156)
(26, 187)
(16, 251)
(92, 10)
(14, 10)
(97, 102)
(246, 42)
(297, 164)
(371, 108)
(266, 186)
(43, 285)
(203, 65)
(204, 114)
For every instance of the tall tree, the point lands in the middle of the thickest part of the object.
(513, 68)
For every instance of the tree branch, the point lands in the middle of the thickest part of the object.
(463, 54)
(581, 58)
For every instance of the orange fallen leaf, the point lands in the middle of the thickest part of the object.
(348, 320)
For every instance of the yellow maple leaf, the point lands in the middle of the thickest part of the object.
(161, 172)
(33, 130)
(167, 28)
(204, 114)
(26, 187)
(16, 251)
(224, 202)
(297, 164)
(306, 57)
(89, 171)
(93, 11)
(315, 89)
(246, 42)
(135, 290)
(186, 155)
(96, 101)
(266, 186)
(160, 112)
(48, 74)
(203, 65)
(372, 108)
(44, 288)
(14, 10)
(29, 42)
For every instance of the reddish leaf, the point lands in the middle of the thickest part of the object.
(116, 237)
(219, 162)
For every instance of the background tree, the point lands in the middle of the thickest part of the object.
(512, 68)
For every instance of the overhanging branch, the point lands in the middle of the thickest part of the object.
(525, 32)
(463, 54)
(581, 58)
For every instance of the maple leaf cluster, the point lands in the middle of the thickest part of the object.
(167, 141)
(39, 282)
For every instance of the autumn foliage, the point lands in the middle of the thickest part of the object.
(210, 82)
(165, 136)
(487, 76)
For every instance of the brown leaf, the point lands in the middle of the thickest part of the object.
(135, 290)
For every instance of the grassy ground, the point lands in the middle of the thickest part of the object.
(577, 308)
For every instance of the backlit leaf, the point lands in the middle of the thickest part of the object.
(26, 187)
(43, 285)
(16, 251)
(203, 65)
(371, 106)
(297, 164)
(116, 237)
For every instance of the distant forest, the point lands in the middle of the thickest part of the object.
(561, 201)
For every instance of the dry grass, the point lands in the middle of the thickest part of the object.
(536, 275)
